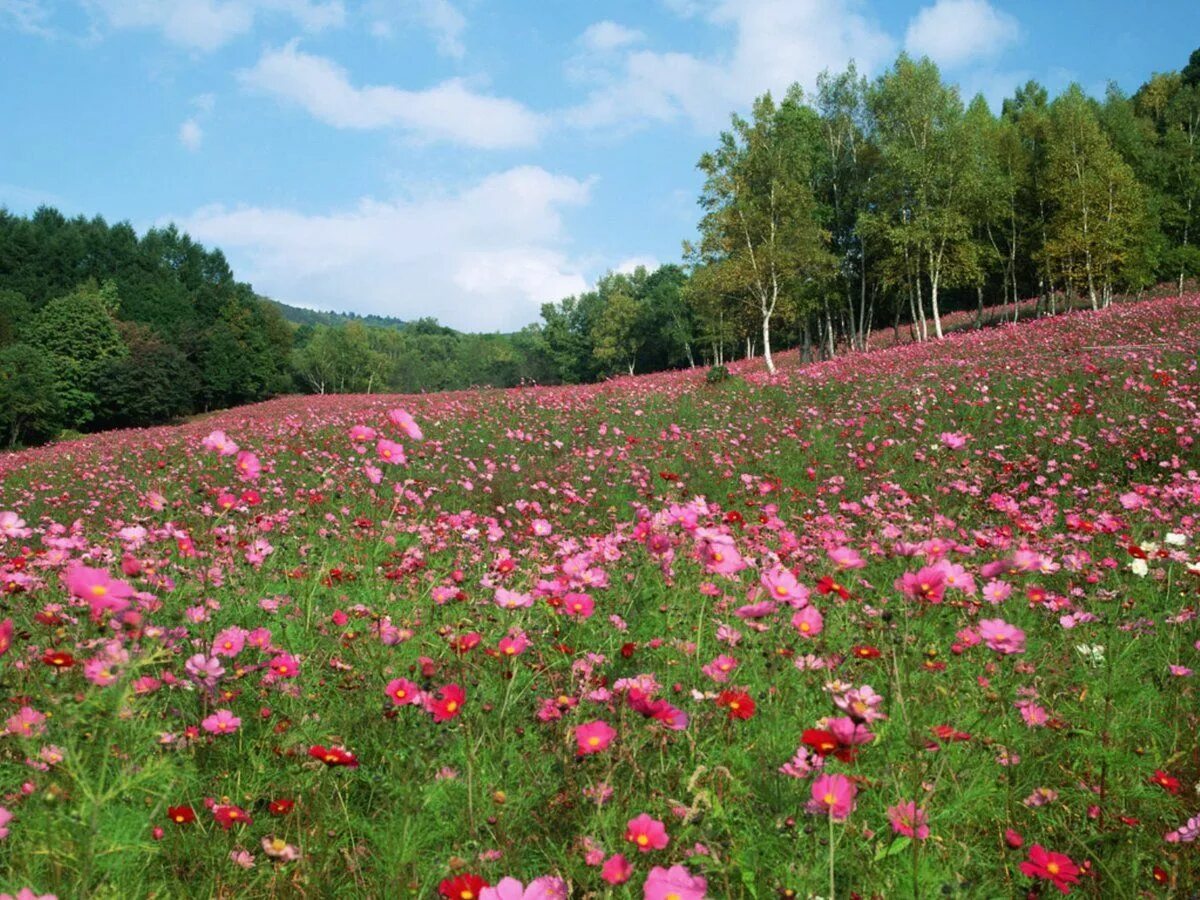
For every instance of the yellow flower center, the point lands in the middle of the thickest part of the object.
(593, 742)
(452, 706)
(829, 799)
(642, 840)
(99, 590)
(1052, 868)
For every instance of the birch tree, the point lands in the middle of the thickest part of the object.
(760, 232)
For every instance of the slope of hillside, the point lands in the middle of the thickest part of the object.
(895, 623)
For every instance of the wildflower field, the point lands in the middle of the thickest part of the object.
(914, 623)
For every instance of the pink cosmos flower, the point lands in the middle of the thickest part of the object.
(218, 442)
(675, 883)
(248, 466)
(593, 737)
(1002, 637)
(362, 434)
(616, 869)
(909, 820)
(5, 818)
(720, 668)
(506, 599)
(285, 666)
(781, 586)
(222, 721)
(6, 632)
(548, 887)
(580, 606)
(846, 558)
(832, 795)
(390, 452)
(808, 622)
(12, 526)
(996, 592)
(229, 642)
(102, 592)
(646, 833)
(403, 692)
(406, 423)
(929, 584)
(26, 722)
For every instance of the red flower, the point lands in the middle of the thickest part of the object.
(181, 815)
(228, 815)
(828, 586)
(281, 807)
(1057, 868)
(1168, 783)
(824, 743)
(866, 651)
(462, 887)
(58, 659)
(333, 756)
(739, 703)
(448, 703)
(947, 733)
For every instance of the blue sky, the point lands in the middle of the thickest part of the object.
(468, 159)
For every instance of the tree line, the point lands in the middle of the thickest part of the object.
(865, 204)
(884, 202)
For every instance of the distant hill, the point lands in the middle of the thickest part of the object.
(298, 316)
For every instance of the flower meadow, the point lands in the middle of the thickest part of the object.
(920, 622)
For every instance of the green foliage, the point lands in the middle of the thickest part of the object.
(716, 375)
(78, 334)
(70, 287)
(30, 405)
(153, 383)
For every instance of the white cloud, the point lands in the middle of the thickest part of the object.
(209, 24)
(191, 135)
(450, 111)
(628, 265)
(954, 32)
(480, 259)
(28, 16)
(441, 18)
(607, 35)
(775, 43)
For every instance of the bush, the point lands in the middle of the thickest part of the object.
(717, 375)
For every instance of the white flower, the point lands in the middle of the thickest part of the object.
(1139, 567)
(1174, 539)
(1093, 653)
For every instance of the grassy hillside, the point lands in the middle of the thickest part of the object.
(897, 624)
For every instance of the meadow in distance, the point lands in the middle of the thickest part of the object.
(911, 623)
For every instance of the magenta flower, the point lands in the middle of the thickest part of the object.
(406, 423)
(390, 452)
(832, 795)
(808, 622)
(675, 883)
(646, 833)
(594, 737)
(221, 722)
(1001, 636)
(616, 869)
(909, 820)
